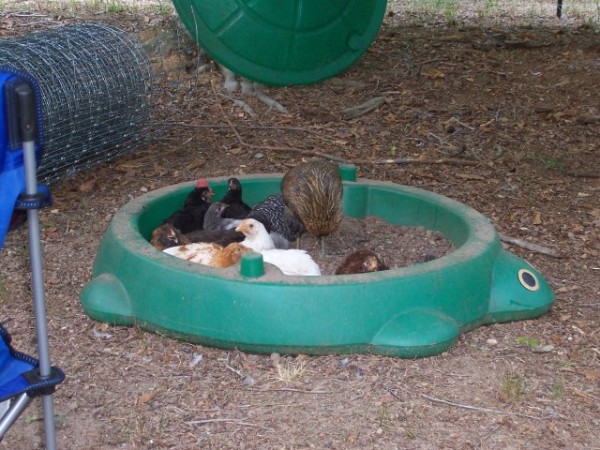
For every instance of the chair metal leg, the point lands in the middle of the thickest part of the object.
(26, 107)
(14, 411)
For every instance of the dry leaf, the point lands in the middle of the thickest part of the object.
(486, 125)
(537, 220)
(196, 164)
(51, 233)
(592, 375)
(434, 73)
(126, 166)
(562, 289)
(87, 186)
(596, 217)
(543, 348)
(147, 397)
(467, 176)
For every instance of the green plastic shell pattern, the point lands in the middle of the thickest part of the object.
(283, 43)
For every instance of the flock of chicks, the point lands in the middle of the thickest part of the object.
(217, 234)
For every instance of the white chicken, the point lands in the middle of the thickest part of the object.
(209, 254)
(198, 252)
(257, 238)
(290, 262)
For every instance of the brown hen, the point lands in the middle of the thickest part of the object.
(361, 261)
(166, 236)
(229, 256)
(313, 191)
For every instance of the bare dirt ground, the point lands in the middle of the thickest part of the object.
(506, 120)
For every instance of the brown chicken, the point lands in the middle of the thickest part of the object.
(229, 256)
(361, 261)
(313, 191)
(166, 236)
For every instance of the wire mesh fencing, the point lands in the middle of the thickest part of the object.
(96, 88)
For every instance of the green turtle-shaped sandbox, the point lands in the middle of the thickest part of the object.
(408, 312)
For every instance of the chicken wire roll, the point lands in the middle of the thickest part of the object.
(96, 86)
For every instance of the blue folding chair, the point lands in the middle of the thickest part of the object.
(23, 377)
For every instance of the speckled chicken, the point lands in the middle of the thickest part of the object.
(214, 219)
(276, 217)
(238, 209)
(313, 191)
(361, 261)
(191, 216)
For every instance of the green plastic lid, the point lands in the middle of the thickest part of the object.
(283, 42)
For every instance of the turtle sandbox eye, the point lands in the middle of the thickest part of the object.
(528, 280)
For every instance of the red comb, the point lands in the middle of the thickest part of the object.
(202, 183)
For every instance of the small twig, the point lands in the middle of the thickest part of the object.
(454, 149)
(237, 422)
(28, 15)
(393, 394)
(299, 391)
(363, 108)
(488, 435)
(237, 372)
(475, 408)
(443, 142)
(582, 174)
(530, 246)
(549, 414)
(430, 61)
(468, 127)
(450, 161)
(235, 131)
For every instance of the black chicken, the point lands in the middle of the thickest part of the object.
(274, 214)
(191, 216)
(313, 191)
(233, 197)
